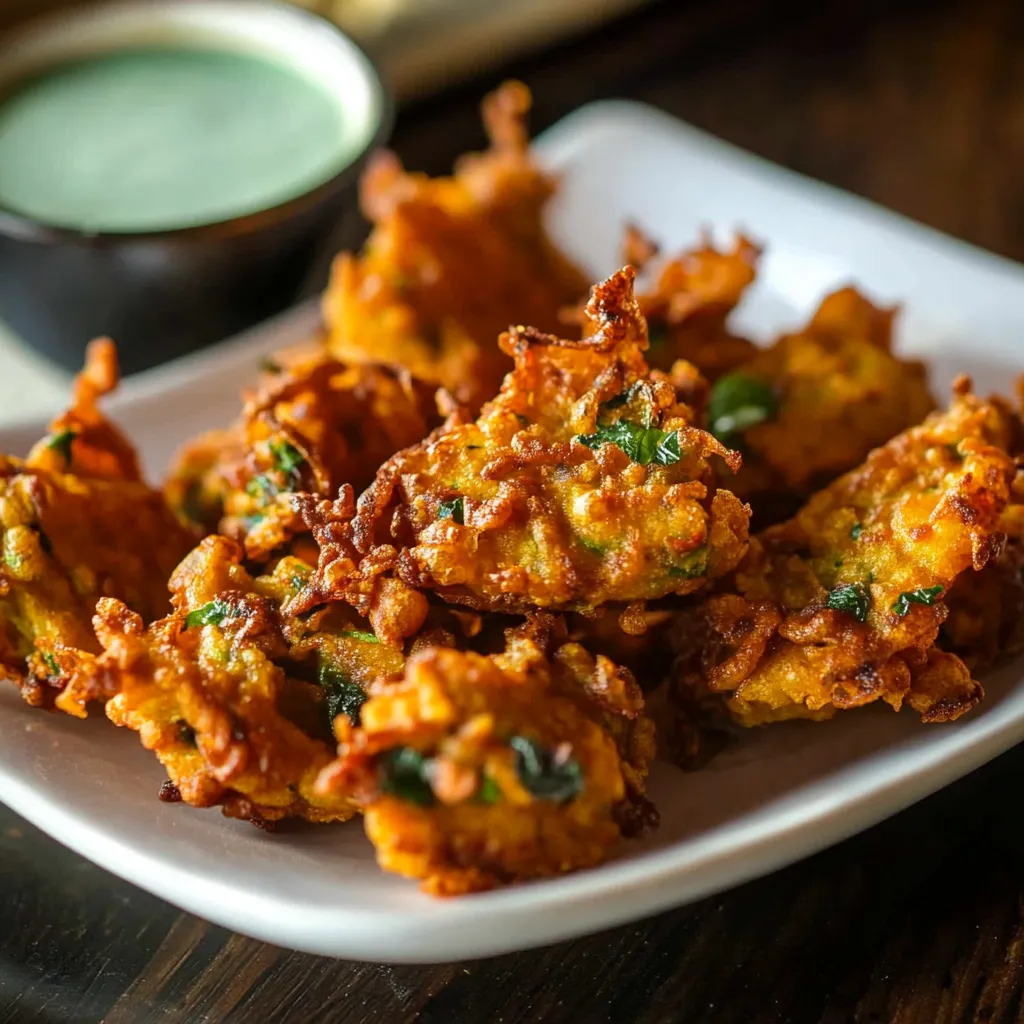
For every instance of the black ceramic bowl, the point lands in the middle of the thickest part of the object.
(162, 294)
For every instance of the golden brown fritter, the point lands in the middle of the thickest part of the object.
(583, 482)
(690, 302)
(813, 404)
(313, 425)
(842, 605)
(78, 524)
(451, 262)
(478, 771)
(237, 701)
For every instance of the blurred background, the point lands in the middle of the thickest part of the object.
(422, 45)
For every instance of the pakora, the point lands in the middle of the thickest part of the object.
(584, 482)
(813, 404)
(688, 307)
(476, 771)
(79, 523)
(842, 605)
(237, 701)
(313, 425)
(451, 262)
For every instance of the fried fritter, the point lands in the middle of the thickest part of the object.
(78, 524)
(237, 701)
(313, 425)
(476, 771)
(451, 262)
(813, 404)
(583, 482)
(842, 605)
(690, 302)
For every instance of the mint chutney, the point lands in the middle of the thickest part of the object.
(163, 138)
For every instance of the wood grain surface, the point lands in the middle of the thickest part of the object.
(919, 106)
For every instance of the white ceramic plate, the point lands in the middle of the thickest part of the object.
(781, 794)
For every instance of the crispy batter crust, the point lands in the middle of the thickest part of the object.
(339, 421)
(691, 300)
(78, 523)
(224, 690)
(453, 261)
(839, 392)
(842, 605)
(477, 819)
(531, 505)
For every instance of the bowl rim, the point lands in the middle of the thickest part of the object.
(22, 227)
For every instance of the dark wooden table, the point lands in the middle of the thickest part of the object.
(919, 921)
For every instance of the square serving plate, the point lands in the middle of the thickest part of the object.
(778, 795)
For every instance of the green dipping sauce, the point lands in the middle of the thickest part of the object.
(157, 139)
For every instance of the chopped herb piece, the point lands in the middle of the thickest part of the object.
(250, 521)
(261, 487)
(856, 530)
(851, 598)
(642, 444)
(546, 775)
(61, 442)
(738, 402)
(343, 696)
(186, 733)
(621, 399)
(489, 791)
(51, 663)
(12, 559)
(268, 365)
(406, 776)
(693, 565)
(194, 506)
(211, 614)
(359, 634)
(298, 581)
(288, 459)
(454, 510)
(923, 595)
(592, 545)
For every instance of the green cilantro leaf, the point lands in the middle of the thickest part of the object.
(737, 402)
(691, 566)
(51, 663)
(211, 614)
(289, 460)
(851, 598)
(642, 444)
(359, 634)
(856, 530)
(61, 443)
(489, 791)
(543, 774)
(454, 509)
(923, 595)
(406, 775)
(343, 696)
(591, 545)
